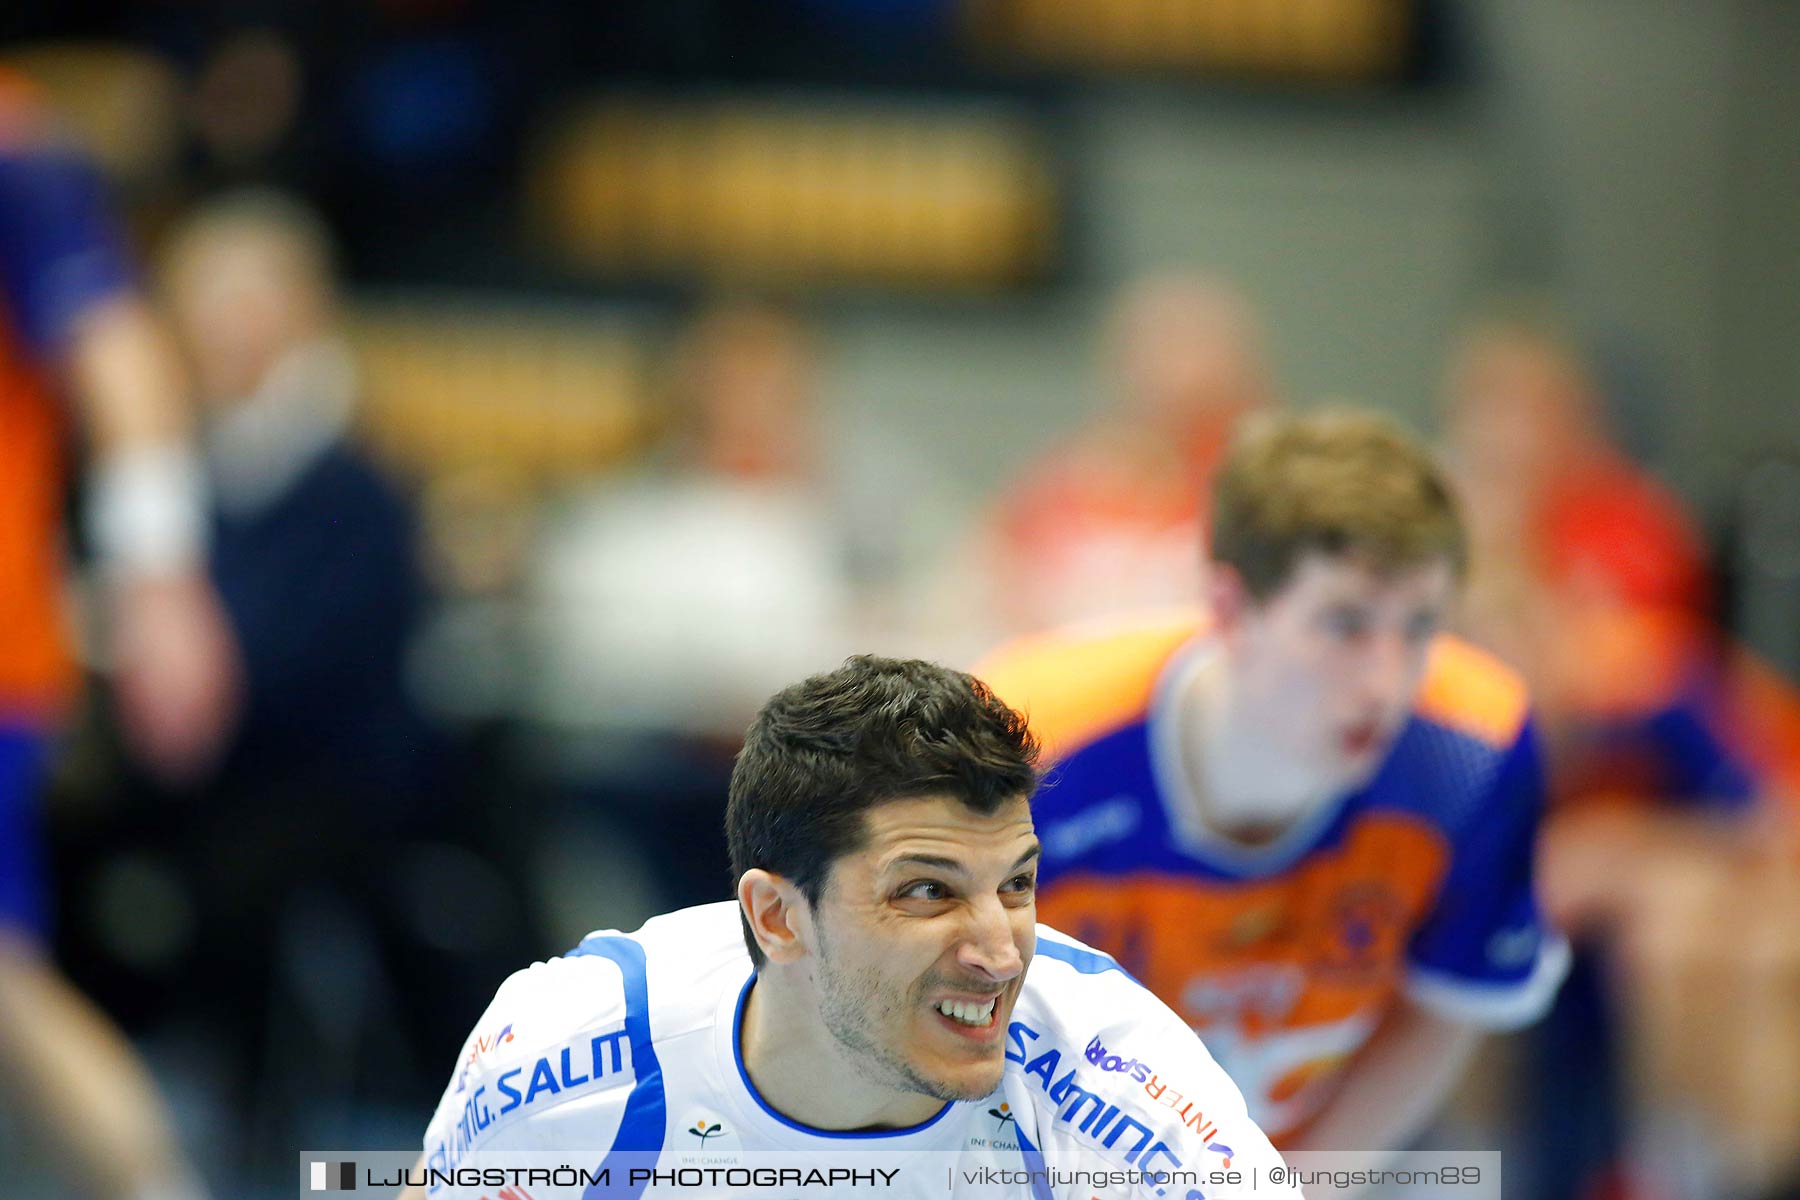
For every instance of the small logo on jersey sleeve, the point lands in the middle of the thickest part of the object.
(1109, 821)
(483, 1045)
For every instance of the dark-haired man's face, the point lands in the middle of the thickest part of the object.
(924, 936)
(1335, 658)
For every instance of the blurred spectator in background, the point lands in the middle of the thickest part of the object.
(73, 322)
(312, 547)
(1592, 576)
(295, 844)
(1667, 770)
(1110, 520)
(1570, 533)
(676, 598)
(670, 602)
(245, 101)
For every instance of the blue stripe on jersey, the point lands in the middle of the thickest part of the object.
(640, 1137)
(1034, 1163)
(1088, 962)
(22, 907)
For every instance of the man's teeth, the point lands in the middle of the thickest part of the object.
(967, 1013)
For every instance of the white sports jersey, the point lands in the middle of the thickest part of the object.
(630, 1044)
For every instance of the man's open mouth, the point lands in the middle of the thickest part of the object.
(971, 1013)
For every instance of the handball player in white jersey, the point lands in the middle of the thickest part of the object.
(878, 999)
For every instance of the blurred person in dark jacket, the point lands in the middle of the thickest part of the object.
(293, 843)
(313, 548)
(80, 351)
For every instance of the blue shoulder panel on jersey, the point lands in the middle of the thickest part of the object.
(1088, 962)
(61, 251)
(1034, 1163)
(640, 1135)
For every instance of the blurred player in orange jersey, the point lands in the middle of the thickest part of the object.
(72, 325)
(1307, 821)
(1591, 579)
(1669, 856)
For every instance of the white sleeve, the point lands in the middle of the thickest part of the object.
(1116, 1082)
(551, 1048)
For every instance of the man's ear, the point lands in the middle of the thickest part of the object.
(780, 919)
(1229, 598)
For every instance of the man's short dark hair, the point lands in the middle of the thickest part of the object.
(823, 752)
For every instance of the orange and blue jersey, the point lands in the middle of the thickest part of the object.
(1669, 711)
(1286, 956)
(60, 257)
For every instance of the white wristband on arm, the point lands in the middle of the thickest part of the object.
(147, 510)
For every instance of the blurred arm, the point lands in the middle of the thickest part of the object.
(173, 660)
(89, 1094)
(75, 307)
(1485, 959)
(1395, 1085)
(127, 382)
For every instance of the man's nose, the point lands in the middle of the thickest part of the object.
(1386, 670)
(990, 946)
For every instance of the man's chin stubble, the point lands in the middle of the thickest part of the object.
(879, 1066)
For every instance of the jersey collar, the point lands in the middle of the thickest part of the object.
(776, 1131)
(1179, 799)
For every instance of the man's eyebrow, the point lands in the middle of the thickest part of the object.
(942, 863)
(935, 861)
